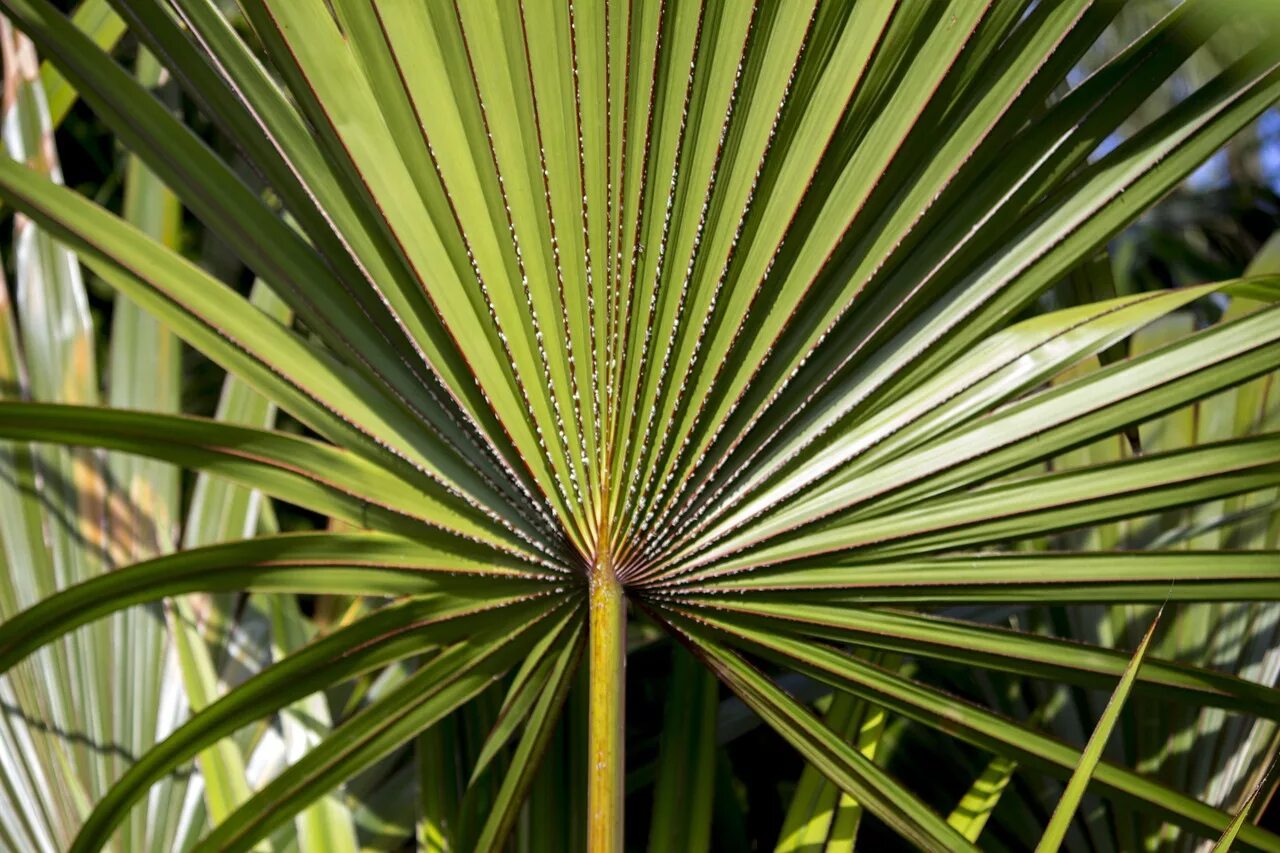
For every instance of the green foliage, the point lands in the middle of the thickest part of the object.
(714, 327)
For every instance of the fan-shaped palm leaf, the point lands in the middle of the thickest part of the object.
(712, 309)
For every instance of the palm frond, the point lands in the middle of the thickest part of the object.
(723, 311)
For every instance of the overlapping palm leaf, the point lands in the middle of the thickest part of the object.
(724, 308)
(82, 712)
(1221, 758)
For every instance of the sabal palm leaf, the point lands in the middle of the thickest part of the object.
(648, 303)
(1187, 747)
(85, 512)
(77, 719)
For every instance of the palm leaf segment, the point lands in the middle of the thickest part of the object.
(657, 302)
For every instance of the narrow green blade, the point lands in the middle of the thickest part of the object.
(1066, 808)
